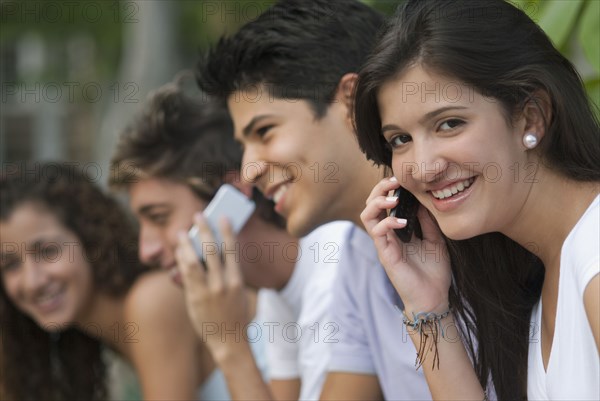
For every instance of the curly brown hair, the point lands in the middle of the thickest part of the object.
(180, 137)
(186, 138)
(66, 365)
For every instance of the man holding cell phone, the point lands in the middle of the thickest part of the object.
(184, 162)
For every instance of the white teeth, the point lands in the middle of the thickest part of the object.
(47, 297)
(453, 190)
(279, 193)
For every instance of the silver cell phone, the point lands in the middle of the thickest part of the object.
(230, 203)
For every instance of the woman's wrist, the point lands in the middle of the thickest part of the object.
(424, 308)
(427, 329)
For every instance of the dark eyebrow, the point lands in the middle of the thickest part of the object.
(248, 128)
(434, 113)
(390, 127)
(56, 239)
(428, 116)
(148, 208)
(38, 243)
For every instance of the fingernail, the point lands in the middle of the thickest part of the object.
(393, 179)
(181, 235)
(401, 221)
(391, 199)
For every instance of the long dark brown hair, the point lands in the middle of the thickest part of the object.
(502, 54)
(36, 364)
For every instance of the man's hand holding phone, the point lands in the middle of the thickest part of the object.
(214, 288)
(230, 203)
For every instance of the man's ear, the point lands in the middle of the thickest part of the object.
(537, 114)
(345, 93)
(234, 178)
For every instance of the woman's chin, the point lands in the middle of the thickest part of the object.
(458, 232)
(53, 324)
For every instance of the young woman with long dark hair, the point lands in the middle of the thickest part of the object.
(489, 126)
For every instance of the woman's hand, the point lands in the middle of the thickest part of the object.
(419, 270)
(215, 295)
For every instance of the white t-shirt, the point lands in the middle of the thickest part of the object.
(574, 365)
(299, 327)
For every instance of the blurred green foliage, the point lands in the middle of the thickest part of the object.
(573, 26)
(57, 20)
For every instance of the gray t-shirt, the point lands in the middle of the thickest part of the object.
(372, 338)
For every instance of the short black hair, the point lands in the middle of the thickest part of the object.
(297, 49)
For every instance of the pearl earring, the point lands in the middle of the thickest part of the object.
(530, 140)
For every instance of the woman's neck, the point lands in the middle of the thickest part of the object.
(553, 207)
(104, 320)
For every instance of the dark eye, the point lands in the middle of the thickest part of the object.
(159, 218)
(49, 252)
(8, 264)
(398, 141)
(263, 130)
(451, 124)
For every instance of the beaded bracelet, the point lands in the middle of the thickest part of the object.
(431, 321)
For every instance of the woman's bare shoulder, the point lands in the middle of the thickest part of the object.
(154, 297)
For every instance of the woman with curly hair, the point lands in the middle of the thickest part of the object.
(72, 286)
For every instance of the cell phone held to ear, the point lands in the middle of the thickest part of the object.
(407, 208)
(230, 203)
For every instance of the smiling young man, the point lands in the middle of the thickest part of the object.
(171, 161)
(288, 79)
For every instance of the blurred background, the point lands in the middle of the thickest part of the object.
(74, 73)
